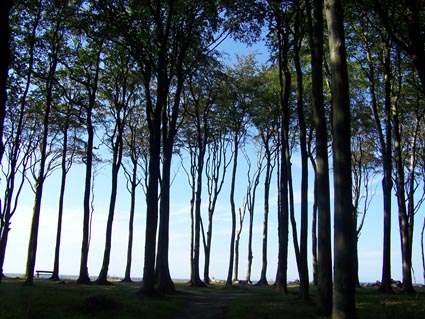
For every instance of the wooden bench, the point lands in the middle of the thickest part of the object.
(41, 272)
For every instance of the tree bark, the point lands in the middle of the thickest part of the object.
(84, 277)
(133, 182)
(267, 179)
(7, 211)
(116, 164)
(233, 209)
(344, 281)
(406, 253)
(64, 172)
(5, 8)
(324, 256)
(50, 79)
(304, 279)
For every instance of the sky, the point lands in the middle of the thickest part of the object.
(370, 242)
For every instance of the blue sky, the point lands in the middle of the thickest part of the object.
(370, 243)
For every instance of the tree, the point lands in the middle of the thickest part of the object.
(46, 81)
(279, 25)
(344, 285)
(238, 102)
(5, 8)
(199, 106)
(265, 116)
(378, 70)
(403, 22)
(20, 138)
(83, 68)
(324, 260)
(119, 99)
(166, 43)
(299, 31)
(135, 140)
(253, 183)
(407, 114)
(67, 125)
(216, 166)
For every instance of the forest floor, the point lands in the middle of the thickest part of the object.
(67, 299)
(208, 304)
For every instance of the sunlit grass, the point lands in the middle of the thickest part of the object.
(47, 299)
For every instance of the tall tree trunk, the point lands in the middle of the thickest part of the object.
(344, 285)
(324, 256)
(165, 283)
(304, 280)
(267, 179)
(127, 275)
(386, 153)
(83, 277)
(283, 205)
(7, 212)
(238, 238)
(423, 249)
(116, 164)
(233, 209)
(401, 201)
(148, 287)
(251, 208)
(64, 172)
(32, 246)
(195, 279)
(218, 163)
(314, 214)
(5, 8)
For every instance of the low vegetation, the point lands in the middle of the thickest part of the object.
(66, 299)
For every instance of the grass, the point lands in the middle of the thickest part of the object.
(370, 304)
(47, 299)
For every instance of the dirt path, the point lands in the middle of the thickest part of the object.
(208, 305)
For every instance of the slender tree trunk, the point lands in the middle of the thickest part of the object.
(283, 210)
(7, 211)
(314, 218)
(304, 280)
(5, 8)
(64, 171)
(195, 276)
(217, 162)
(116, 164)
(32, 246)
(385, 140)
(165, 283)
(237, 241)
(267, 178)
(233, 209)
(324, 256)
(83, 277)
(402, 210)
(148, 287)
(314, 233)
(251, 207)
(423, 249)
(344, 285)
(127, 275)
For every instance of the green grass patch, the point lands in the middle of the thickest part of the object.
(47, 299)
(266, 303)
